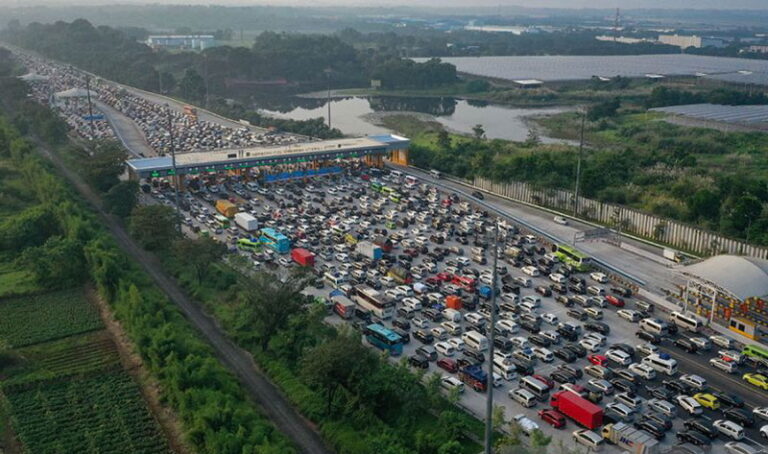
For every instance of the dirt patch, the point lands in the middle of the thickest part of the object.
(134, 365)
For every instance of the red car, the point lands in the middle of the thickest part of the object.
(433, 281)
(553, 418)
(445, 277)
(550, 384)
(365, 177)
(614, 300)
(448, 365)
(598, 360)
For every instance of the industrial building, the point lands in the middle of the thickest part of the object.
(193, 42)
(685, 41)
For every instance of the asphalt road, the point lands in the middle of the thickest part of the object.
(127, 132)
(269, 399)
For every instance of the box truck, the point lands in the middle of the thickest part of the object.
(342, 306)
(226, 208)
(671, 254)
(246, 222)
(577, 408)
(631, 440)
(369, 250)
(303, 257)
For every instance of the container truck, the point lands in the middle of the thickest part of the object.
(246, 222)
(671, 254)
(226, 208)
(577, 408)
(369, 250)
(303, 257)
(383, 242)
(475, 377)
(631, 440)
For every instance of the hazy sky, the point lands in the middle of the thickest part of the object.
(626, 4)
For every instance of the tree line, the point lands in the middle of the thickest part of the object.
(666, 96)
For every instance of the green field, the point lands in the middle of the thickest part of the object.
(38, 318)
(101, 414)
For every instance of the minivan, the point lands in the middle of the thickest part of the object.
(663, 407)
(536, 387)
(523, 397)
(633, 402)
(594, 313)
(452, 315)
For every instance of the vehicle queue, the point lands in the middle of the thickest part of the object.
(409, 266)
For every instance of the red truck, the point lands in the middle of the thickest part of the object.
(303, 257)
(578, 408)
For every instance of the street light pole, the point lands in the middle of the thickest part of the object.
(489, 401)
(173, 165)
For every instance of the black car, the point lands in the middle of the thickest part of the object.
(628, 375)
(648, 337)
(623, 385)
(729, 399)
(541, 341)
(565, 354)
(686, 345)
(577, 373)
(740, 416)
(692, 437)
(578, 289)
(433, 314)
(580, 351)
(418, 361)
(658, 418)
(522, 367)
(598, 327)
(478, 195)
(561, 377)
(562, 290)
(530, 326)
(475, 355)
(621, 291)
(503, 344)
(678, 387)
(405, 314)
(577, 314)
(405, 335)
(464, 362)
(568, 334)
(626, 348)
(423, 336)
(402, 324)
(660, 392)
(701, 427)
(543, 291)
(656, 430)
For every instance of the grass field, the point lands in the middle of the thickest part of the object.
(101, 414)
(38, 318)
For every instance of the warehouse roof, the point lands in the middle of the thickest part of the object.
(719, 112)
(744, 277)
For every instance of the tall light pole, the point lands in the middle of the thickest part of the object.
(489, 401)
(177, 181)
(578, 166)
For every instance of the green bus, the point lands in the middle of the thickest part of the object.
(223, 221)
(247, 244)
(395, 197)
(387, 190)
(570, 256)
(754, 351)
(376, 186)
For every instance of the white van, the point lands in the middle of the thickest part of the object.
(463, 261)
(662, 363)
(543, 354)
(539, 389)
(558, 278)
(453, 328)
(522, 397)
(662, 406)
(475, 340)
(729, 429)
(589, 439)
(643, 370)
(690, 405)
(505, 369)
(535, 300)
(452, 315)
(531, 271)
(413, 303)
(654, 326)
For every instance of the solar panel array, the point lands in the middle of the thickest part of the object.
(751, 115)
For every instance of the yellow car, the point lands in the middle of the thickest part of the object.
(707, 400)
(756, 379)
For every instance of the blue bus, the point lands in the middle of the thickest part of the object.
(384, 339)
(275, 240)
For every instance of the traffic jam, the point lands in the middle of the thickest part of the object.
(410, 265)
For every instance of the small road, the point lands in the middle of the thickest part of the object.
(126, 131)
(270, 400)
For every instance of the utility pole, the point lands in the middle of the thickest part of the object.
(489, 401)
(176, 179)
(578, 166)
(90, 106)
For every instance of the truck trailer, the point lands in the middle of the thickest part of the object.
(369, 250)
(577, 408)
(226, 208)
(303, 257)
(631, 440)
(246, 222)
(342, 306)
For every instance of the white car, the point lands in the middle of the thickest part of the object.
(588, 438)
(597, 337)
(689, 404)
(603, 385)
(450, 383)
(558, 278)
(520, 342)
(405, 290)
(420, 322)
(725, 366)
(643, 370)
(560, 220)
(445, 348)
(701, 343)
(526, 424)
(457, 343)
(550, 318)
(591, 345)
(508, 325)
(699, 383)
(722, 341)
(629, 315)
(761, 412)
(474, 318)
(533, 300)
(729, 429)
(764, 432)
(619, 357)
(646, 349)
(599, 277)
(552, 335)
(531, 271)
(439, 333)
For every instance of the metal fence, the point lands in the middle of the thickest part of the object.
(674, 233)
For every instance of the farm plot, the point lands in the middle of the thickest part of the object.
(100, 414)
(32, 319)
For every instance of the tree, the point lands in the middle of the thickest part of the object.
(199, 253)
(192, 85)
(59, 263)
(540, 440)
(154, 226)
(450, 447)
(704, 204)
(739, 214)
(103, 163)
(603, 110)
(6, 357)
(478, 131)
(121, 199)
(444, 139)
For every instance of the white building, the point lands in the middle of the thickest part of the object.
(685, 41)
(194, 42)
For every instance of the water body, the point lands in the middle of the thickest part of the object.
(358, 115)
(554, 68)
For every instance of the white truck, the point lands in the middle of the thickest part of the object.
(369, 250)
(246, 221)
(631, 440)
(671, 254)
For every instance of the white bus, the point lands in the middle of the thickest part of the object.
(661, 362)
(334, 280)
(436, 173)
(687, 322)
(370, 299)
